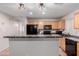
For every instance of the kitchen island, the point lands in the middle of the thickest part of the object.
(34, 45)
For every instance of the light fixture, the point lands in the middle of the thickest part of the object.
(21, 6)
(42, 6)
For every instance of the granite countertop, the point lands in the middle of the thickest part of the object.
(71, 37)
(36, 36)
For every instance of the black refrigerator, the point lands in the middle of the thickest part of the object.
(32, 29)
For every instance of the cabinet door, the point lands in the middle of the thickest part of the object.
(77, 48)
(62, 43)
(61, 24)
(76, 20)
(54, 25)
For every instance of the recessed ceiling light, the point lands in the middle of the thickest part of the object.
(40, 23)
(16, 24)
(31, 13)
(43, 13)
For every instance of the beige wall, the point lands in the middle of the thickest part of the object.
(42, 22)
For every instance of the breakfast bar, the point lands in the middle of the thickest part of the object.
(34, 45)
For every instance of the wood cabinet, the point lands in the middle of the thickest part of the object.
(62, 43)
(61, 24)
(42, 23)
(55, 25)
(62, 47)
(77, 48)
(76, 20)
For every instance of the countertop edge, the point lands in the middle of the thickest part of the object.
(71, 37)
(35, 36)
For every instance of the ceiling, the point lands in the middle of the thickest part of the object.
(32, 10)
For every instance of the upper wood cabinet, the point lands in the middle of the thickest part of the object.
(42, 23)
(61, 24)
(76, 20)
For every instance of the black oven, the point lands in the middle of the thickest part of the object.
(71, 47)
(47, 29)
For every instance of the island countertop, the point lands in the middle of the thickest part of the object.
(36, 36)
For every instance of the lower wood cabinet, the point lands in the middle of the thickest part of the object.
(77, 48)
(62, 47)
(67, 45)
(62, 43)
